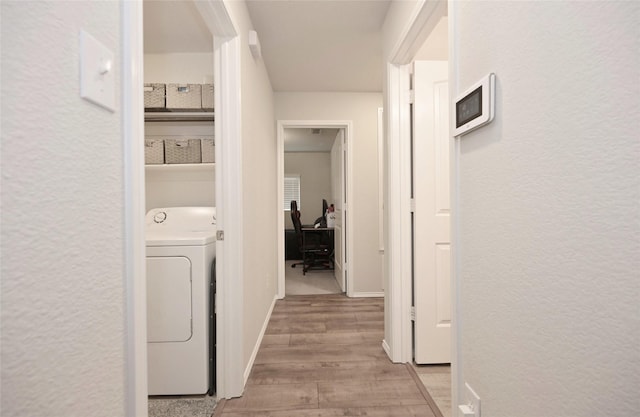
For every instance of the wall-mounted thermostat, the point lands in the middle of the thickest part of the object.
(476, 106)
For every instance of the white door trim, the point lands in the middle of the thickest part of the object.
(381, 183)
(457, 379)
(134, 210)
(229, 253)
(229, 213)
(398, 278)
(227, 100)
(398, 246)
(347, 125)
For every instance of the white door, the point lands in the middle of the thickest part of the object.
(431, 215)
(338, 198)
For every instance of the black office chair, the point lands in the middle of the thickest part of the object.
(297, 226)
(315, 252)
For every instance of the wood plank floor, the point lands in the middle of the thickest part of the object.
(322, 357)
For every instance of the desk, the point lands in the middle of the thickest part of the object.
(318, 248)
(291, 245)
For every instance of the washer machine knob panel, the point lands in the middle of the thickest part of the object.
(160, 217)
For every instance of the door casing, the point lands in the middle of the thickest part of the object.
(398, 336)
(347, 126)
(229, 174)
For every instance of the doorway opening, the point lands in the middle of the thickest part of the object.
(430, 149)
(312, 187)
(179, 135)
(420, 260)
(329, 185)
(225, 49)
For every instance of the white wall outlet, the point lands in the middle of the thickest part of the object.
(97, 72)
(471, 406)
(465, 411)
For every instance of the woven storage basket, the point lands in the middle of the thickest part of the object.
(208, 151)
(154, 96)
(182, 151)
(184, 97)
(207, 97)
(153, 151)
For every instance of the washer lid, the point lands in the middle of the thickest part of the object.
(182, 238)
(181, 218)
(181, 226)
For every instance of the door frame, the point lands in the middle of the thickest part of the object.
(398, 198)
(229, 256)
(347, 126)
(134, 210)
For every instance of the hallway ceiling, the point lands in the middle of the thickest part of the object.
(174, 26)
(321, 45)
(307, 45)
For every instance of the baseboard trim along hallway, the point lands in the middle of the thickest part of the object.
(256, 348)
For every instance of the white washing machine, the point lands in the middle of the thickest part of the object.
(180, 252)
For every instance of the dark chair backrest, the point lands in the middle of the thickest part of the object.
(295, 218)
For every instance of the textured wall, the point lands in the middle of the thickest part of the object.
(549, 208)
(362, 109)
(62, 300)
(260, 206)
(314, 169)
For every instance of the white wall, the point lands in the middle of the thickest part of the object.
(549, 198)
(362, 108)
(314, 169)
(180, 68)
(63, 301)
(179, 187)
(436, 47)
(259, 186)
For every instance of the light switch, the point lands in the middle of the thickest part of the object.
(97, 78)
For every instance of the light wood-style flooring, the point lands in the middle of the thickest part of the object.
(322, 356)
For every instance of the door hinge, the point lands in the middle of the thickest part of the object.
(220, 235)
(410, 96)
(413, 313)
(412, 205)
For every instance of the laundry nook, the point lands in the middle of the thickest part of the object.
(180, 300)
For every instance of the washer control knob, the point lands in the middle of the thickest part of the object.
(159, 217)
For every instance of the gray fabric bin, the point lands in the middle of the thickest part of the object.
(208, 151)
(154, 96)
(182, 151)
(184, 97)
(207, 97)
(153, 151)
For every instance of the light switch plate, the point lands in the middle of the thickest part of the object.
(97, 72)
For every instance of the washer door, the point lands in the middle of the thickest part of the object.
(168, 299)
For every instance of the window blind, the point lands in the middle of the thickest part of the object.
(291, 191)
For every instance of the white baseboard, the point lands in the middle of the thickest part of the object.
(368, 294)
(386, 348)
(336, 273)
(256, 348)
